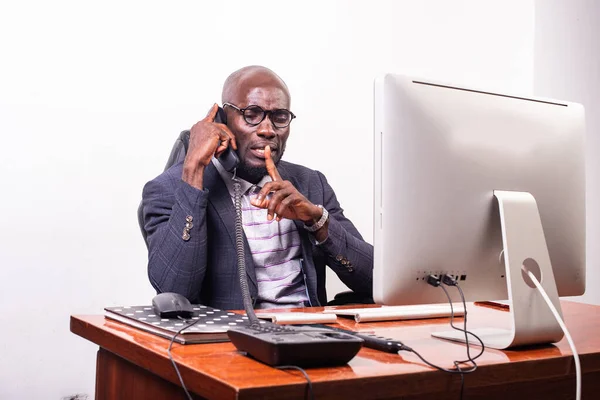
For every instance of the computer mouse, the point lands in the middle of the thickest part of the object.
(172, 305)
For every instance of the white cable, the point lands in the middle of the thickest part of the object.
(565, 330)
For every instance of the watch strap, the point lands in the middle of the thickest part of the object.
(319, 224)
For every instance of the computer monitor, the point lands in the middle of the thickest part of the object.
(466, 180)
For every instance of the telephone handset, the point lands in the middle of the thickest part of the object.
(229, 158)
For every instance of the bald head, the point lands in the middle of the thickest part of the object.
(261, 87)
(239, 83)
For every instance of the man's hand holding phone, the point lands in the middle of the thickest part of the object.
(208, 138)
(285, 201)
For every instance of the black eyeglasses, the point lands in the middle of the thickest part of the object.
(254, 115)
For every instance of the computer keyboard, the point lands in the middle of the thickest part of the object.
(304, 346)
(392, 313)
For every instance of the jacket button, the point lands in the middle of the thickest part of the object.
(339, 258)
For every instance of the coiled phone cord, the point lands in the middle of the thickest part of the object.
(239, 244)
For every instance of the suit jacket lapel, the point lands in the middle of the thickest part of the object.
(286, 175)
(220, 199)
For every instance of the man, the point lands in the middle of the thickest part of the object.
(293, 223)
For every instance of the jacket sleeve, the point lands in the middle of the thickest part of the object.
(348, 255)
(174, 263)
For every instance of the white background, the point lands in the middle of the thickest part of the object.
(93, 95)
(567, 67)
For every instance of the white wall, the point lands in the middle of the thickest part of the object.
(567, 66)
(93, 94)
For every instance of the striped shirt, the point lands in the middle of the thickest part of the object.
(276, 249)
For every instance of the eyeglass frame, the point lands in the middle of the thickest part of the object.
(265, 113)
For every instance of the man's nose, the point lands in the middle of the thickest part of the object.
(266, 128)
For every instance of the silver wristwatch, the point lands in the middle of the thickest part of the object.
(319, 224)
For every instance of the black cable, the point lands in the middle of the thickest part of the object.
(458, 370)
(171, 356)
(450, 281)
(457, 363)
(309, 388)
(462, 296)
(464, 329)
(462, 383)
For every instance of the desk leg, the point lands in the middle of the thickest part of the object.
(117, 378)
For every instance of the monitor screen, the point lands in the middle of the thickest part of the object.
(440, 153)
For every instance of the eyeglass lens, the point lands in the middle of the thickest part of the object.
(280, 118)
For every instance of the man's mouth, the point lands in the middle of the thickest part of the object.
(260, 151)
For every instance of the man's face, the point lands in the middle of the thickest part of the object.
(251, 140)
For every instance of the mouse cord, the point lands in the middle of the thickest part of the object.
(171, 356)
(309, 388)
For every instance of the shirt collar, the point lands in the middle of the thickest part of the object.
(227, 178)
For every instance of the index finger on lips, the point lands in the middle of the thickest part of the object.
(271, 169)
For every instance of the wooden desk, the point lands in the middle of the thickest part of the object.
(132, 364)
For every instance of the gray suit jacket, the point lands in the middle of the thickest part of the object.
(204, 268)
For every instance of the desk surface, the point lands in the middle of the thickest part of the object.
(217, 370)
